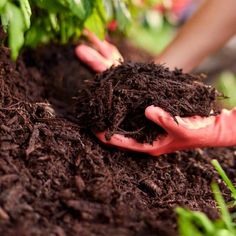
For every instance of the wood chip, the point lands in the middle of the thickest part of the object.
(3, 215)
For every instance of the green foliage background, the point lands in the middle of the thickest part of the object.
(226, 83)
(33, 22)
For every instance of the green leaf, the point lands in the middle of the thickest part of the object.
(225, 216)
(38, 34)
(108, 5)
(26, 10)
(73, 28)
(99, 5)
(122, 14)
(16, 29)
(5, 18)
(77, 7)
(226, 83)
(95, 24)
(88, 5)
(223, 175)
(185, 225)
(2, 4)
(63, 31)
(191, 221)
(51, 5)
(54, 21)
(57, 20)
(224, 232)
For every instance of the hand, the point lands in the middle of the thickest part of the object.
(190, 132)
(100, 59)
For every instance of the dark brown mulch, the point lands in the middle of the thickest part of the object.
(56, 179)
(64, 72)
(117, 98)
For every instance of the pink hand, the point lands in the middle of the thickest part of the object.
(100, 59)
(190, 132)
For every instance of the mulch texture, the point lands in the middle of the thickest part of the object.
(57, 179)
(116, 100)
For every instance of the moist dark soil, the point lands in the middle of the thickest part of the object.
(56, 178)
(117, 98)
(64, 72)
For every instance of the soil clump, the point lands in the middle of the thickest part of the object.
(117, 98)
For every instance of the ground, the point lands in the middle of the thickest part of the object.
(57, 179)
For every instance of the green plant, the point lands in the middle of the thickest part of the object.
(226, 83)
(33, 22)
(16, 20)
(151, 29)
(198, 224)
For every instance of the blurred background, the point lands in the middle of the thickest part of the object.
(155, 25)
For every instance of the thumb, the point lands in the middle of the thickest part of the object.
(163, 118)
(178, 125)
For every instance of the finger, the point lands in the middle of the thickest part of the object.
(162, 118)
(102, 46)
(157, 148)
(165, 120)
(196, 122)
(92, 58)
(116, 56)
(123, 142)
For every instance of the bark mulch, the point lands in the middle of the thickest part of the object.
(57, 179)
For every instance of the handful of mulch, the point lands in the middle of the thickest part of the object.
(116, 100)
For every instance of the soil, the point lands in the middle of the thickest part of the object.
(57, 179)
(61, 68)
(116, 100)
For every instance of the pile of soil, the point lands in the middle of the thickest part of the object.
(117, 98)
(56, 178)
(64, 72)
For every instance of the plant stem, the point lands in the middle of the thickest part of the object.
(223, 175)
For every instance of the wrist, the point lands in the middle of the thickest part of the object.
(171, 59)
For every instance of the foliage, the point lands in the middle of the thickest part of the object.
(33, 22)
(151, 29)
(15, 19)
(198, 224)
(226, 83)
(154, 39)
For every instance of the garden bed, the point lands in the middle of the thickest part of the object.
(57, 179)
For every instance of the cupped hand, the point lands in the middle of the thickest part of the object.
(181, 133)
(101, 56)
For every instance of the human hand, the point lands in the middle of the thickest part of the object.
(102, 56)
(186, 133)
